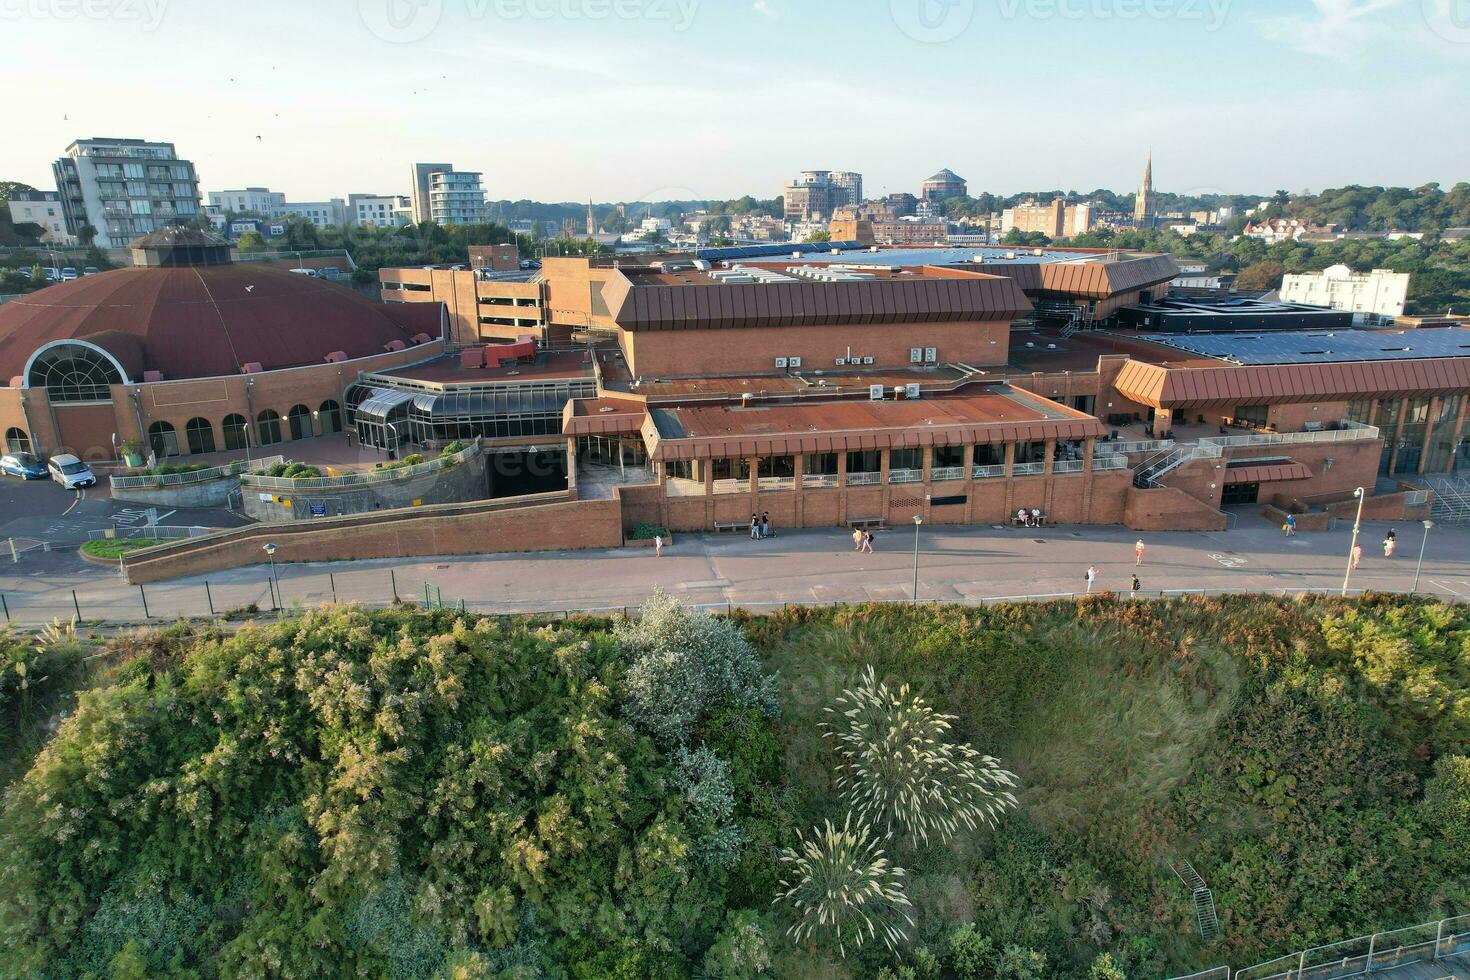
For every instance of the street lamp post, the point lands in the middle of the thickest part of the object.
(1357, 525)
(270, 552)
(1419, 566)
(918, 520)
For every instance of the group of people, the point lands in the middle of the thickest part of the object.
(1028, 518)
(1136, 585)
(862, 540)
(1390, 543)
(760, 526)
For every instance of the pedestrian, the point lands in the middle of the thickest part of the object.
(1036, 517)
(658, 546)
(857, 539)
(1138, 552)
(1023, 518)
(1136, 586)
(1357, 555)
(755, 527)
(1392, 535)
(1290, 526)
(1388, 545)
(765, 524)
(868, 542)
(1091, 577)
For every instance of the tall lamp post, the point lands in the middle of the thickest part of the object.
(270, 552)
(1418, 567)
(918, 520)
(1357, 525)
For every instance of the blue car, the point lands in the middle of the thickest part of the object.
(24, 465)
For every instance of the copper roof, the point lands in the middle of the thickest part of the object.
(1098, 278)
(1150, 384)
(602, 416)
(797, 303)
(765, 430)
(1267, 473)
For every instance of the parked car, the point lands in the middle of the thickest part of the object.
(305, 272)
(91, 270)
(71, 472)
(68, 274)
(51, 273)
(24, 465)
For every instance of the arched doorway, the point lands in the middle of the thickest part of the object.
(299, 419)
(237, 432)
(330, 417)
(199, 433)
(163, 440)
(269, 426)
(16, 440)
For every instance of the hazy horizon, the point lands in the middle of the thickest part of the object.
(636, 100)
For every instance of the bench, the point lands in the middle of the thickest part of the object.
(1017, 522)
(731, 526)
(865, 523)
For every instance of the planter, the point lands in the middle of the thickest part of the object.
(646, 542)
(132, 459)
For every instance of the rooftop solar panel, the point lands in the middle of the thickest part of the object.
(1323, 347)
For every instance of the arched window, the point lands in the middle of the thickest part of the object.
(16, 440)
(269, 426)
(300, 421)
(330, 417)
(356, 395)
(163, 440)
(200, 434)
(237, 432)
(74, 373)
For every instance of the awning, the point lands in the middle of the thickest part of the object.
(384, 400)
(1267, 473)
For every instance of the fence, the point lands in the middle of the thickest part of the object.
(158, 481)
(348, 481)
(287, 590)
(159, 531)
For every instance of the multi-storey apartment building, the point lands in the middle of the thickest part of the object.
(42, 208)
(456, 198)
(378, 210)
(125, 188)
(257, 200)
(1380, 293)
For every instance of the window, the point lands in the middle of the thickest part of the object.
(269, 425)
(1030, 452)
(990, 454)
(820, 464)
(947, 457)
(75, 373)
(299, 419)
(163, 440)
(777, 466)
(199, 433)
(330, 417)
(905, 459)
(237, 432)
(731, 469)
(16, 440)
(1251, 414)
(867, 461)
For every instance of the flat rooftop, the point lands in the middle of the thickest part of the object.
(1322, 347)
(548, 366)
(826, 268)
(846, 254)
(1047, 351)
(940, 377)
(991, 406)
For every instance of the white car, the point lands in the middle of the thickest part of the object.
(70, 472)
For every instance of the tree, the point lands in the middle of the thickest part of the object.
(841, 887)
(819, 236)
(251, 241)
(1030, 239)
(903, 774)
(1260, 276)
(86, 235)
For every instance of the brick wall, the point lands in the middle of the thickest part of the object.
(1169, 509)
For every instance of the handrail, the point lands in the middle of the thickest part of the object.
(156, 481)
(365, 478)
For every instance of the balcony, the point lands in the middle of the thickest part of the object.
(864, 479)
(905, 476)
(776, 483)
(991, 472)
(819, 480)
(1028, 469)
(941, 474)
(1066, 466)
(732, 486)
(1103, 463)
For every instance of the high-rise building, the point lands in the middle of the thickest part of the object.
(850, 182)
(1059, 219)
(456, 198)
(419, 188)
(125, 188)
(943, 185)
(816, 194)
(902, 204)
(1143, 204)
(377, 210)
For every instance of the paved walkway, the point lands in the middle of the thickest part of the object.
(956, 564)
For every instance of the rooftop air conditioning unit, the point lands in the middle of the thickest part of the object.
(916, 355)
(841, 362)
(867, 360)
(780, 362)
(875, 392)
(931, 354)
(794, 362)
(912, 391)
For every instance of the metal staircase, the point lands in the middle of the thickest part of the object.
(1451, 498)
(1204, 900)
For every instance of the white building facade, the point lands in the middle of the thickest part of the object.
(1381, 293)
(125, 188)
(41, 208)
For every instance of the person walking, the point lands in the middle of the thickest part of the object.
(1091, 577)
(1290, 526)
(1388, 545)
(755, 528)
(868, 542)
(857, 539)
(1136, 586)
(1357, 555)
(765, 524)
(1138, 552)
(658, 546)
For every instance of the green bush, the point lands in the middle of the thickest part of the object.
(645, 531)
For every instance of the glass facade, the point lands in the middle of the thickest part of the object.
(74, 373)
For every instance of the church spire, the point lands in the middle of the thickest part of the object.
(591, 221)
(1143, 205)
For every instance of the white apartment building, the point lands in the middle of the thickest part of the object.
(41, 208)
(456, 198)
(1380, 293)
(379, 210)
(319, 213)
(260, 200)
(125, 188)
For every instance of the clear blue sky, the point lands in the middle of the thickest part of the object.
(638, 99)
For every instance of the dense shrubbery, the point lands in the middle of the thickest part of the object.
(403, 794)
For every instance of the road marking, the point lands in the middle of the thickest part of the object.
(162, 516)
(1448, 589)
(80, 494)
(1229, 561)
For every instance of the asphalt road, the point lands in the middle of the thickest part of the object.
(956, 564)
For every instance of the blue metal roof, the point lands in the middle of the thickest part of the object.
(1323, 346)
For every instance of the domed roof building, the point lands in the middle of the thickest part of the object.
(187, 329)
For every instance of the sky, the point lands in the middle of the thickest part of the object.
(624, 100)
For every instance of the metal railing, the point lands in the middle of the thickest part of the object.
(776, 482)
(1125, 448)
(1028, 469)
(819, 480)
(1349, 432)
(941, 473)
(905, 476)
(730, 486)
(1101, 463)
(863, 479)
(360, 479)
(157, 481)
(988, 472)
(1066, 466)
(1361, 955)
(159, 531)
